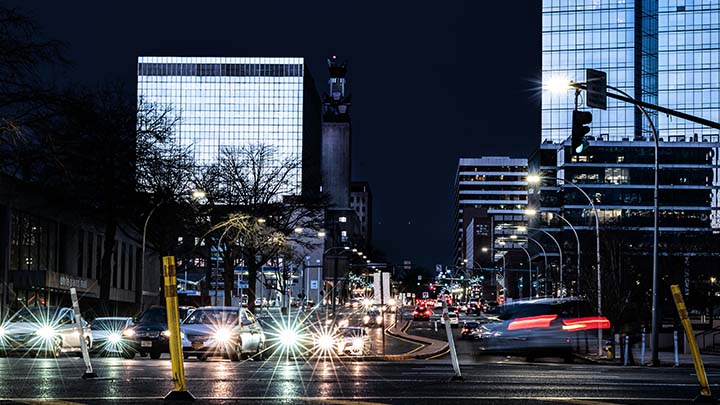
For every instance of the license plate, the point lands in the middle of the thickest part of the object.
(145, 343)
(198, 345)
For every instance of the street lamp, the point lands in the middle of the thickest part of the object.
(534, 178)
(546, 263)
(529, 271)
(196, 194)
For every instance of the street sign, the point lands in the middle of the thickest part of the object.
(438, 268)
(419, 278)
(426, 294)
(313, 284)
(596, 88)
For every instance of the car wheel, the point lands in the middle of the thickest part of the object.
(237, 353)
(155, 355)
(261, 352)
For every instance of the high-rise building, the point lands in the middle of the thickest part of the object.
(361, 202)
(224, 102)
(664, 52)
(489, 192)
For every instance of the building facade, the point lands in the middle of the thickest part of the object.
(361, 202)
(659, 51)
(229, 103)
(489, 191)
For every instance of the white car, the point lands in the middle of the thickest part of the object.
(48, 330)
(452, 318)
(222, 331)
(352, 340)
(107, 334)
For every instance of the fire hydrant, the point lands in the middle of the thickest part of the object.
(610, 350)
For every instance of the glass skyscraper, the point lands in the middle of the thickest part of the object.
(223, 102)
(664, 52)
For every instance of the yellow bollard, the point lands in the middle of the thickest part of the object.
(180, 392)
(705, 394)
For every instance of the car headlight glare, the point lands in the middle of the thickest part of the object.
(366, 318)
(289, 337)
(128, 332)
(325, 342)
(378, 319)
(166, 333)
(114, 338)
(46, 332)
(223, 335)
(358, 343)
(2, 331)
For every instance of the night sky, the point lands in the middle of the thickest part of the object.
(431, 82)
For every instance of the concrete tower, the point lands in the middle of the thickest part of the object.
(336, 137)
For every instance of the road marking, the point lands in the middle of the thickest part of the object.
(47, 402)
(342, 402)
(439, 354)
(583, 401)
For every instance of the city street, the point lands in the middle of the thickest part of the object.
(414, 382)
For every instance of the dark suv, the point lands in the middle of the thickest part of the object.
(422, 314)
(150, 333)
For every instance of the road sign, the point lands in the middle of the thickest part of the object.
(313, 284)
(438, 268)
(426, 294)
(596, 88)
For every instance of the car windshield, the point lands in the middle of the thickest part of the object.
(36, 314)
(154, 315)
(107, 324)
(212, 317)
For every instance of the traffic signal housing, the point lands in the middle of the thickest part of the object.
(580, 120)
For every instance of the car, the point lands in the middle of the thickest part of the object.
(107, 334)
(373, 317)
(43, 330)
(474, 308)
(352, 340)
(453, 318)
(149, 334)
(222, 331)
(546, 327)
(452, 308)
(468, 328)
(462, 307)
(261, 302)
(422, 314)
(354, 303)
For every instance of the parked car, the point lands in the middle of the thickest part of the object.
(352, 340)
(149, 334)
(540, 328)
(222, 331)
(107, 334)
(43, 330)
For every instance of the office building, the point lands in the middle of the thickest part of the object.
(229, 103)
(490, 197)
(664, 52)
(361, 202)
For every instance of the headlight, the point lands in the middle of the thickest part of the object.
(289, 337)
(367, 302)
(378, 319)
(166, 333)
(128, 332)
(114, 338)
(358, 343)
(2, 331)
(325, 342)
(392, 302)
(223, 335)
(46, 332)
(366, 318)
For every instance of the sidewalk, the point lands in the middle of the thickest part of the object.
(430, 347)
(667, 359)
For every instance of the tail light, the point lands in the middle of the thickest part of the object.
(540, 321)
(590, 322)
(464, 330)
(428, 313)
(415, 312)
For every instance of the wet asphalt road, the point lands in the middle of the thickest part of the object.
(343, 382)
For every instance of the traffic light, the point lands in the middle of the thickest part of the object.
(580, 120)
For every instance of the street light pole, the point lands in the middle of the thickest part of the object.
(562, 290)
(546, 263)
(529, 271)
(577, 240)
(142, 262)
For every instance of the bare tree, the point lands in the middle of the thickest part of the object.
(258, 187)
